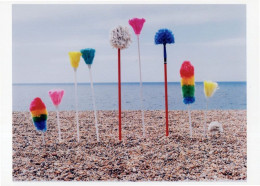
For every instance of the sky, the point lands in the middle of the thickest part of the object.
(211, 37)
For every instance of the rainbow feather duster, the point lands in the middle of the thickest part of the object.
(39, 114)
(187, 82)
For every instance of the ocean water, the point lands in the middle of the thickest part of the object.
(230, 95)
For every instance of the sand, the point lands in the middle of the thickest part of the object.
(220, 156)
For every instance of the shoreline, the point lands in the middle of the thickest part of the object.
(153, 158)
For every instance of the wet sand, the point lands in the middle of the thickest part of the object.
(220, 156)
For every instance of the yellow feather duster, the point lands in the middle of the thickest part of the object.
(74, 59)
(210, 88)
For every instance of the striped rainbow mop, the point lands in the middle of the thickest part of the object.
(187, 82)
(39, 114)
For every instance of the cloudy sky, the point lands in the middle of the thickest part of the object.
(212, 37)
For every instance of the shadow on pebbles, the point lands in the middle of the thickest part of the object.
(218, 157)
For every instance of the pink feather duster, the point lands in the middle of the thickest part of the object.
(56, 96)
(137, 24)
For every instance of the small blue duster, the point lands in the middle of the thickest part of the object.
(88, 55)
(164, 36)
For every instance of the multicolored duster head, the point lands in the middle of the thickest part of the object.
(39, 114)
(120, 37)
(187, 82)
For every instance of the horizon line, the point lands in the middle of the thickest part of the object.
(121, 82)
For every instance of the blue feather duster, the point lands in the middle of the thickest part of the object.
(88, 55)
(164, 36)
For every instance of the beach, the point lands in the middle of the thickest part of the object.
(218, 157)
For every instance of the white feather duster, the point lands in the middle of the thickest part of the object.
(120, 37)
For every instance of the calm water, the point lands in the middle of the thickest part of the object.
(230, 95)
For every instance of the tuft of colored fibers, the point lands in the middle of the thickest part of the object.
(120, 37)
(188, 100)
(88, 55)
(210, 88)
(74, 59)
(187, 70)
(187, 81)
(137, 24)
(188, 90)
(56, 96)
(39, 114)
(164, 36)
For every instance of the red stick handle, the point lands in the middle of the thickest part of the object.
(119, 96)
(166, 99)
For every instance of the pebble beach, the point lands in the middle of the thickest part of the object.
(155, 157)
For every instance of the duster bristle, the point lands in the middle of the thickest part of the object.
(210, 88)
(56, 96)
(188, 90)
(137, 24)
(39, 114)
(187, 70)
(164, 36)
(188, 100)
(74, 59)
(88, 55)
(120, 37)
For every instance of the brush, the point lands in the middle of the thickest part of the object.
(56, 97)
(39, 116)
(120, 39)
(74, 61)
(188, 86)
(165, 36)
(137, 25)
(88, 55)
(209, 90)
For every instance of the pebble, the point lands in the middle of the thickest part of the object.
(153, 158)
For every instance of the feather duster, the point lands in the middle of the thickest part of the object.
(209, 90)
(88, 55)
(120, 37)
(187, 82)
(74, 59)
(188, 86)
(39, 115)
(165, 36)
(56, 97)
(137, 24)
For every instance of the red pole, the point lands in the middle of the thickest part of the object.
(119, 95)
(166, 98)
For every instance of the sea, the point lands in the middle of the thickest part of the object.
(229, 96)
